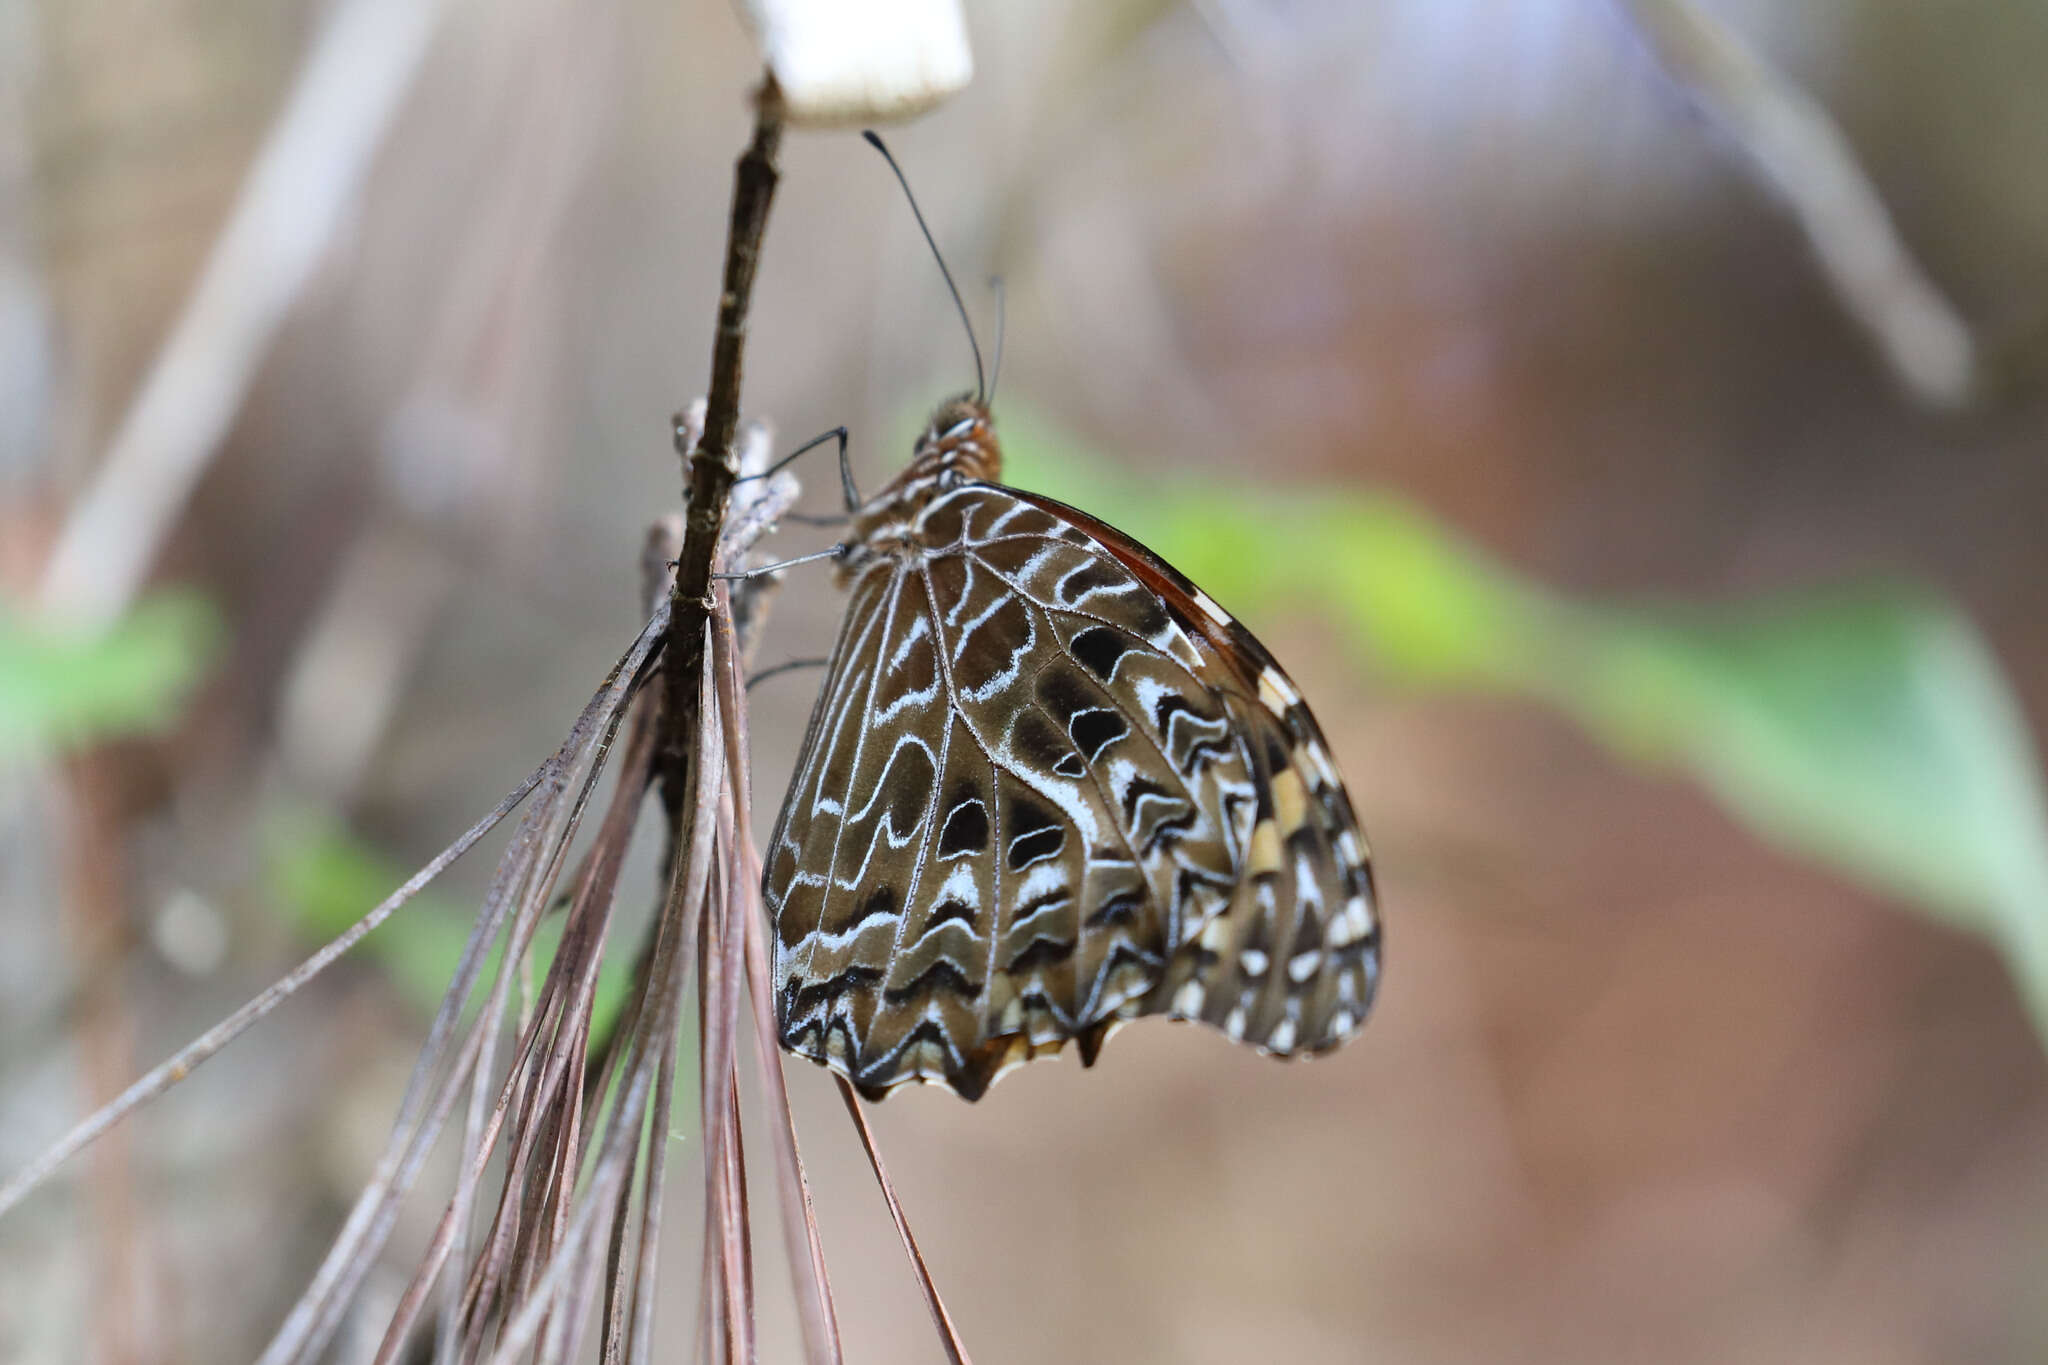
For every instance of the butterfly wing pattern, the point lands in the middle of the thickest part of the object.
(1049, 786)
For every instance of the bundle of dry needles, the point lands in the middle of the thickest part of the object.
(555, 1219)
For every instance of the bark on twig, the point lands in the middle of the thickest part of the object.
(710, 463)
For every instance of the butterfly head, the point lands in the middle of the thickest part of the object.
(960, 439)
(958, 447)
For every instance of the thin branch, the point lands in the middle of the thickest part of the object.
(548, 1112)
(710, 463)
(668, 976)
(200, 1049)
(300, 189)
(524, 875)
(572, 978)
(723, 1155)
(1798, 149)
(799, 1220)
(949, 1335)
(736, 1164)
(640, 1340)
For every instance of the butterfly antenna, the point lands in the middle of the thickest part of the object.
(995, 374)
(980, 378)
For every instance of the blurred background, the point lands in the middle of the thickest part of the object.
(1657, 532)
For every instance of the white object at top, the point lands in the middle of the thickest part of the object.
(862, 61)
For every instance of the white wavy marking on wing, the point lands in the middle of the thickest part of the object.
(887, 615)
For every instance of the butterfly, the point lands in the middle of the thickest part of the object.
(1049, 786)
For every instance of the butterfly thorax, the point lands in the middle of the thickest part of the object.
(958, 447)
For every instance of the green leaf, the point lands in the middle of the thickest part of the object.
(1866, 728)
(62, 689)
(327, 880)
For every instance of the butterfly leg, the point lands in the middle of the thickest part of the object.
(786, 666)
(846, 486)
(829, 552)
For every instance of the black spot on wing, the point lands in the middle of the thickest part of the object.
(1062, 691)
(941, 975)
(1308, 937)
(881, 901)
(1169, 830)
(874, 1080)
(1140, 787)
(1120, 908)
(1040, 952)
(1169, 705)
(966, 827)
(948, 910)
(1040, 903)
(1036, 741)
(1093, 731)
(843, 912)
(1027, 849)
(1153, 617)
(907, 788)
(1125, 953)
(1094, 576)
(850, 980)
(1035, 833)
(1099, 648)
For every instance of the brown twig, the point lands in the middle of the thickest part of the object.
(202, 1048)
(799, 1222)
(543, 1267)
(726, 1325)
(299, 191)
(949, 1335)
(518, 892)
(710, 462)
(715, 1058)
(668, 975)
(539, 1075)
(1800, 152)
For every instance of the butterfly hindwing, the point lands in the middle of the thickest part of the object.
(1294, 963)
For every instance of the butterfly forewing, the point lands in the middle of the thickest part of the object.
(1048, 786)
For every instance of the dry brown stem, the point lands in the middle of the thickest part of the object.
(1797, 149)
